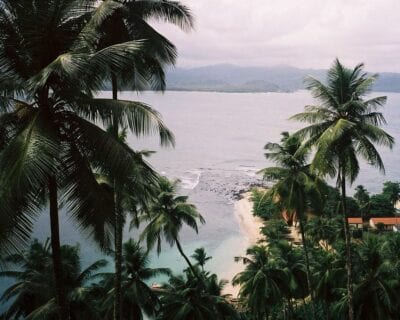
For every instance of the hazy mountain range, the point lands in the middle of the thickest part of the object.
(232, 78)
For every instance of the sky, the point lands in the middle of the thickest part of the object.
(305, 34)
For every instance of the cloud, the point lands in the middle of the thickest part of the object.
(309, 33)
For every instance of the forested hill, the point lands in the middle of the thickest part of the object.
(232, 78)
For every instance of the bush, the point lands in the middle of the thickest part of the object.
(381, 206)
(357, 233)
(263, 206)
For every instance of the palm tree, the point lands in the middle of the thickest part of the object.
(329, 273)
(49, 142)
(275, 230)
(200, 255)
(295, 187)
(132, 197)
(363, 200)
(187, 297)
(343, 127)
(121, 21)
(32, 294)
(167, 216)
(323, 231)
(137, 298)
(376, 295)
(262, 283)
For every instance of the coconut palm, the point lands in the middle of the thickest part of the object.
(295, 187)
(343, 127)
(262, 283)
(330, 276)
(166, 218)
(275, 230)
(49, 142)
(200, 255)
(363, 200)
(32, 294)
(138, 298)
(323, 231)
(121, 21)
(187, 297)
(376, 294)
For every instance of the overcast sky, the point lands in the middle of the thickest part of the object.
(307, 34)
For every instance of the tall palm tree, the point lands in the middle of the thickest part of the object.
(166, 218)
(324, 231)
(187, 297)
(200, 255)
(295, 187)
(376, 294)
(120, 21)
(343, 127)
(262, 283)
(138, 298)
(49, 141)
(32, 294)
(329, 272)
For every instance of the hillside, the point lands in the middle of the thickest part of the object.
(232, 78)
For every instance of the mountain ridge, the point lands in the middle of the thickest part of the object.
(234, 78)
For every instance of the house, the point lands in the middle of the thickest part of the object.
(386, 223)
(355, 222)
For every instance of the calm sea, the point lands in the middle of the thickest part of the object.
(219, 149)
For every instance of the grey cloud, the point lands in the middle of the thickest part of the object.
(308, 33)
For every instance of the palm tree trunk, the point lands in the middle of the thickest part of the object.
(56, 250)
(308, 272)
(118, 222)
(178, 245)
(327, 311)
(347, 237)
(118, 257)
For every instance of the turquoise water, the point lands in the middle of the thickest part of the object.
(219, 147)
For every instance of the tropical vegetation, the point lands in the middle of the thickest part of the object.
(63, 147)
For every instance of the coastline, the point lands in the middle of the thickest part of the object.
(250, 229)
(248, 223)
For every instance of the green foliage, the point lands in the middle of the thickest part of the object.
(275, 230)
(166, 217)
(329, 230)
(263, 205)
(201, 257)
(138, 299)
(32, 295)
(392, 191)
(362, 196)
(381, 206)
(196, 297)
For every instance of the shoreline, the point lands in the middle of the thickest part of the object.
(248, 223)
(249, 226)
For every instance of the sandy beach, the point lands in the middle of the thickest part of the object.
(249, 224)
(250, 227)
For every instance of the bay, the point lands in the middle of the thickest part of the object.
(219, 148)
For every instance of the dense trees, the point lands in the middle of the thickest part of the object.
(167, 216)
(61, 146)
(344, 127)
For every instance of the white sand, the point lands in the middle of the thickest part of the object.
(250, 228)
(248, 223)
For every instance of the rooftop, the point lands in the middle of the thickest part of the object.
(355, 220)
(386, 220)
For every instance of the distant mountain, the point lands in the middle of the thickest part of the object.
(232, 78)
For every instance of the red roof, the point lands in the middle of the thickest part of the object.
(386, 221)
(354, 220)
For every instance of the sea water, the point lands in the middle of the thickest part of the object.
(219, 149)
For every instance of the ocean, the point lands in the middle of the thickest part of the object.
(219, 149)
